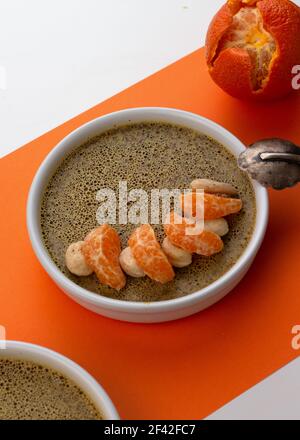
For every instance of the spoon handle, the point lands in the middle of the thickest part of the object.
(289, 157)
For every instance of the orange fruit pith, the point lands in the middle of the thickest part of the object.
(252, 47)
(202, 243)
(149, 255)
(101, 249)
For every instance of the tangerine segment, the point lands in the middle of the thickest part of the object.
(149, 255)
(102, 249)
(194, 203)
(203, 243)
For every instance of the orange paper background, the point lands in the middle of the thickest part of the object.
(183, 369)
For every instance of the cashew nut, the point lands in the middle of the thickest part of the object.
(213, 187)
(75, 260)
(129, 265)
(219, 226)
(177, 257)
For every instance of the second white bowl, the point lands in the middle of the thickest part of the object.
(52, 359)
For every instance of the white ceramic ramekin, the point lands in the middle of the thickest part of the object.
(135, 311)
(63, 365)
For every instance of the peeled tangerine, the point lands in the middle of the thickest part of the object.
(149, 255)
(208, 206)
(204, 243)
(252, 47)
(101, 250)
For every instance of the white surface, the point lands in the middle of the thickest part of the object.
(63, 56)
(276, 398)
(60, 57)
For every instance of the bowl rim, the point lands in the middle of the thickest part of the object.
(83, 295)
(83, 379)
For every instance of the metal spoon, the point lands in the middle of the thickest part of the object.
(272, 162)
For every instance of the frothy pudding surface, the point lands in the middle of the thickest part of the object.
(34, 392)
(146, 155)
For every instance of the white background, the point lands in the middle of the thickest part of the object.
(64, 56)
(60, 57)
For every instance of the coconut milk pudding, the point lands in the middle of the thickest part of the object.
(29, 391)
(147, 155)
